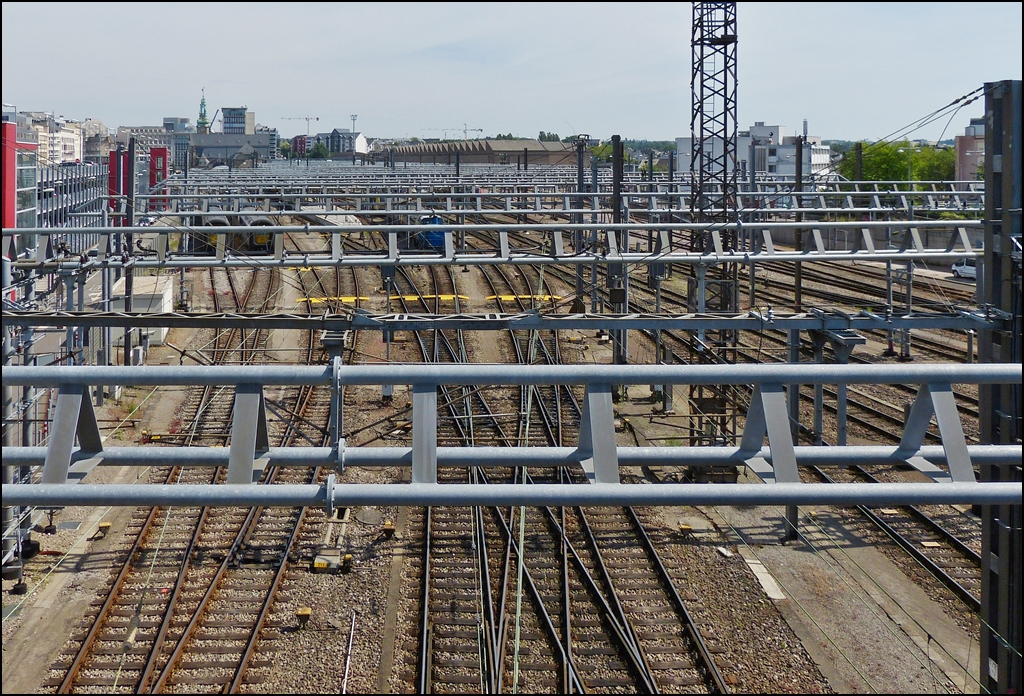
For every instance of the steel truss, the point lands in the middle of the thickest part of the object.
(713, 167)
(61, 463)
(767, 197)
(361, 320)
(508, 243)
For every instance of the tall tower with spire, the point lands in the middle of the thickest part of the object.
(203, 124)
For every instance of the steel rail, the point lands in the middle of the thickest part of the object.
(242, 537)
(689, 624)
(973, 602)
(166, 620)
(275, 584)
(220, 354)
(190, 627)
(620, 627)
(425, 685)
(493, 655)
(426, 650)
(90, 638)
(571, 671)
(701, 648)
(973, 556)
(114, 592)
(639, 656)
(570, 674)
(961, 592)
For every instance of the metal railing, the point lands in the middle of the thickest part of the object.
(777, 463)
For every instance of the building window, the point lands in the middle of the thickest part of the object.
(772, 169)
(771, 152)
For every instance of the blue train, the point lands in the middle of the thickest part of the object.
(430, 240)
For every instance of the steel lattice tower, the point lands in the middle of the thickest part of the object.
(713, 118)
(713, 186)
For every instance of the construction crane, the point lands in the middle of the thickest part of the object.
(465, 131)
(307, 119)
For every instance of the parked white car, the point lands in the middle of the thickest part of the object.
(965, 268)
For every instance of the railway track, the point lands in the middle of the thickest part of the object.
(136, 623)
(939, 551)
(571, 630)
(190, 609)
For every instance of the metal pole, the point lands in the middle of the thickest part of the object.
(8, 430)
(842, 356)
(619, 356)
(129, 241)
(595, 200)
(80, 331)
(819, 357)
(578, 235)
(890, 351)
(793, 390)
(908, 279)
(752, 175)
(798, 186)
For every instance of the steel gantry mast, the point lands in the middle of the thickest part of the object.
(713, 117)
(1000, 413)
(713, 180)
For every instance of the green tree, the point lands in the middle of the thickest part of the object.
(319, 151)
(934, 164)
(286, 149)
(548, 137)
(660, 145)
(892, 161)
(602, 152)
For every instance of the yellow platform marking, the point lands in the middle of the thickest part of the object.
(510, 298)
(412, 298)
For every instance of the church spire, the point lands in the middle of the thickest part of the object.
(202, 125)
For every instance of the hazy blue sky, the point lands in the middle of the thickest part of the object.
(857, 70)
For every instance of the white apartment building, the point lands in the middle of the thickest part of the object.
(771, 151)
(60, 139)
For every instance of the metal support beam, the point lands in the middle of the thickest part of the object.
(502, 374)
(793, 390)
(248, 433)
(424, 433)
(73, 417)
(767, 416)
(423, 494)
(938, 399)
(541, 457)
(598, 453)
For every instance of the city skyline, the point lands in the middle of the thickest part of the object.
(855, 71)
